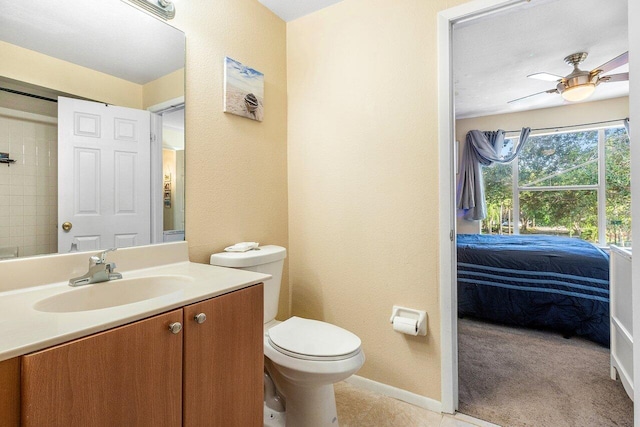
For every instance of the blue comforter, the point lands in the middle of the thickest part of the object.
(548, 282)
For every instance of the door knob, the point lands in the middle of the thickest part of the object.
(175, 327)
(66, 226)
(200, 318)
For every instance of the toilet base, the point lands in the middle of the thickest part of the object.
(311, 406)
(306, 407)
(274, 418)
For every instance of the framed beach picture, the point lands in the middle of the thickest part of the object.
(243, 90)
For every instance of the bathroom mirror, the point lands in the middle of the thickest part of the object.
(107, 52)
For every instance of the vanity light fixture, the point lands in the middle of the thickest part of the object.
(161, 8)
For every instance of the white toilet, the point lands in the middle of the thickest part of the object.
(303, 357)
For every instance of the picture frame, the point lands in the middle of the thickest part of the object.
(243, 90)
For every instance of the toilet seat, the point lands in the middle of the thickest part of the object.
(313, 340)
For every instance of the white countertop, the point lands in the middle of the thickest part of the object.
(24, 329)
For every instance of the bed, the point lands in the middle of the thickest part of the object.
(547, 282)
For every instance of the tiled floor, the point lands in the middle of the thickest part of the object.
(362, 408)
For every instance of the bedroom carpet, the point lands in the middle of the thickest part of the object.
(518, 377)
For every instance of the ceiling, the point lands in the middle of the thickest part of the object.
(288, 10)
(73, 30)
(493, 55)
(132, 44)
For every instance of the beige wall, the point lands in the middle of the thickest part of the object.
(35, 68)
(236, 168)
(363, 178)
(163, 89)
(566, 115)
(27, 104)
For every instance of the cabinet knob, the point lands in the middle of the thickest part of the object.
(200, 318)
(175, 327)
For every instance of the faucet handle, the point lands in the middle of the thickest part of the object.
(103, 254)
(101, 257)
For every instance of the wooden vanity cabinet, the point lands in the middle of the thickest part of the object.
(127, 376)
(10, 392)
(142, 374)
(223, 361)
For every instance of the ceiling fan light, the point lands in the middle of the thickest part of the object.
(579, 92)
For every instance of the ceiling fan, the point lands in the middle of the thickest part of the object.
(581, 84)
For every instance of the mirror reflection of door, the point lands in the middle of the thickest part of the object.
(103, 176)
(173, 173)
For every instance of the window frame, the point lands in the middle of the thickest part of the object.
(600, 187)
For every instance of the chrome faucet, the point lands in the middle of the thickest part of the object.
(99, 271)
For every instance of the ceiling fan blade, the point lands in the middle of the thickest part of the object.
(621, 77)
(616, 62)
(533, 94)
(548, 77)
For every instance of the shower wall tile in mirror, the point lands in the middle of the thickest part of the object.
(28, 187)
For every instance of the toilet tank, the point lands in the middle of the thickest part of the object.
(268, 259)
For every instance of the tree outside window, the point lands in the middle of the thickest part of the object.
(618, 187)
(558, 184)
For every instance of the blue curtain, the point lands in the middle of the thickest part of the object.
(481, 149)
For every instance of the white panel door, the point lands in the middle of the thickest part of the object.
(103, 175)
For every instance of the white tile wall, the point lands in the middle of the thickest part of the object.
(28, 188)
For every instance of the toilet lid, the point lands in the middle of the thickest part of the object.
(313, 340)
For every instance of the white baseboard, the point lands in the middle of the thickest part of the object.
(396, 393)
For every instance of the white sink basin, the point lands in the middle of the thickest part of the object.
(113, 293)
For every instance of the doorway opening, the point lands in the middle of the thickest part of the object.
(461, 17)
(173, 173)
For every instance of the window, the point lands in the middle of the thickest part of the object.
(575, 184)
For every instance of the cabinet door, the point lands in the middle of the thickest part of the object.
(10, 392)
(223, 361)
(128, 376)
